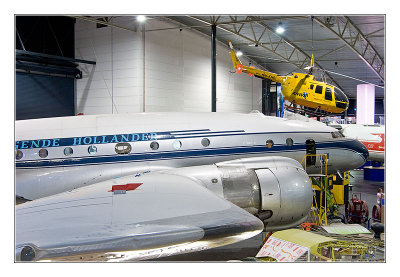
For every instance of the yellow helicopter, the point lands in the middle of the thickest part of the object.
(301, 89)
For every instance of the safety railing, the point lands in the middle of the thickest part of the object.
(323, 162)
(322, 211)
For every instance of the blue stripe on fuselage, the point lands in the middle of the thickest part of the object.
(105, 139)
(193, 153)
(134, 137)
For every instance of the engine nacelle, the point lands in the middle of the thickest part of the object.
(276, 189)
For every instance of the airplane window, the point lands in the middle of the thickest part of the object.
(43, 153)
(270, 143)
(318, 89)
(154, 145)
(123, 148)
(177, 144)
(312, 86)
(68, 151)
(289, 142)
(92, 149)
(328, 94)
(19, 154)
(205, 142)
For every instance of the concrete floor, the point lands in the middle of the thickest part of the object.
(250, 247)
(368, 189)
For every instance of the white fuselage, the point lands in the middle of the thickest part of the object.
(372, 136)
(179, 137)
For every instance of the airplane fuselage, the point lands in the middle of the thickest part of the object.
(372, 136)
(59, 154)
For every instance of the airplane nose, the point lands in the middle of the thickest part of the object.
(361, 149)
(354, 155)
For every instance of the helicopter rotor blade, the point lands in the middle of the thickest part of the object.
(300, 84)
(347, 76)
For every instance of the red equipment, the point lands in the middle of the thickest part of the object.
(376, 213)
(356, 211)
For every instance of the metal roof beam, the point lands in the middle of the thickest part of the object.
(294, 56)
(47, 56)
(238, 33)
(374, 32)
(325, 39)
(94, 20)
(330, 52)
(344, 28)
(247, 20)
(224, 43)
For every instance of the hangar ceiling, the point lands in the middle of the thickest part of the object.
(348, 45)
(352, 46)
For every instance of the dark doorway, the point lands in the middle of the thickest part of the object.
(44, 85)
(311, 150)
(40, 96)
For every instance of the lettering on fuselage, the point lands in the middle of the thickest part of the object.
(304, 95)
(43, 143)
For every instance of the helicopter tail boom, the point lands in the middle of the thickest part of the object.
(237, 64)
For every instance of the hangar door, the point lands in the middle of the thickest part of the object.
(39, 96)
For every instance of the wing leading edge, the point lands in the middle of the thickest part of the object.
(130, 218)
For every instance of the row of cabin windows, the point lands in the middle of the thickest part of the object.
(120, 148)
(319, 89)
(125, 148)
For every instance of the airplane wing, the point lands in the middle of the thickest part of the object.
(130, 218)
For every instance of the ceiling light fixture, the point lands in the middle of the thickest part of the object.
(141, 18)
(280, 28)
(239, 53)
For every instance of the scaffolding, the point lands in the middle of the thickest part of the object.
(320, 181)
(320, 246)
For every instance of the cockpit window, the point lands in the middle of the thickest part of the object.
(340, 96)
(318, 89)
(337, 134)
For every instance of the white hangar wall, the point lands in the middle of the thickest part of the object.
(177, 75)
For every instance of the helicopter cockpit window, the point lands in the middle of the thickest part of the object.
(295, 76)
(328, 94)
(318, 89)
(312, 86)
(340, 96)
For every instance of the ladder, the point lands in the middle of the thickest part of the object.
(319, 180)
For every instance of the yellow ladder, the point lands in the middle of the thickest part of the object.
(321, 216)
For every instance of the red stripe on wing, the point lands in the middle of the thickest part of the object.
(130, 186)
